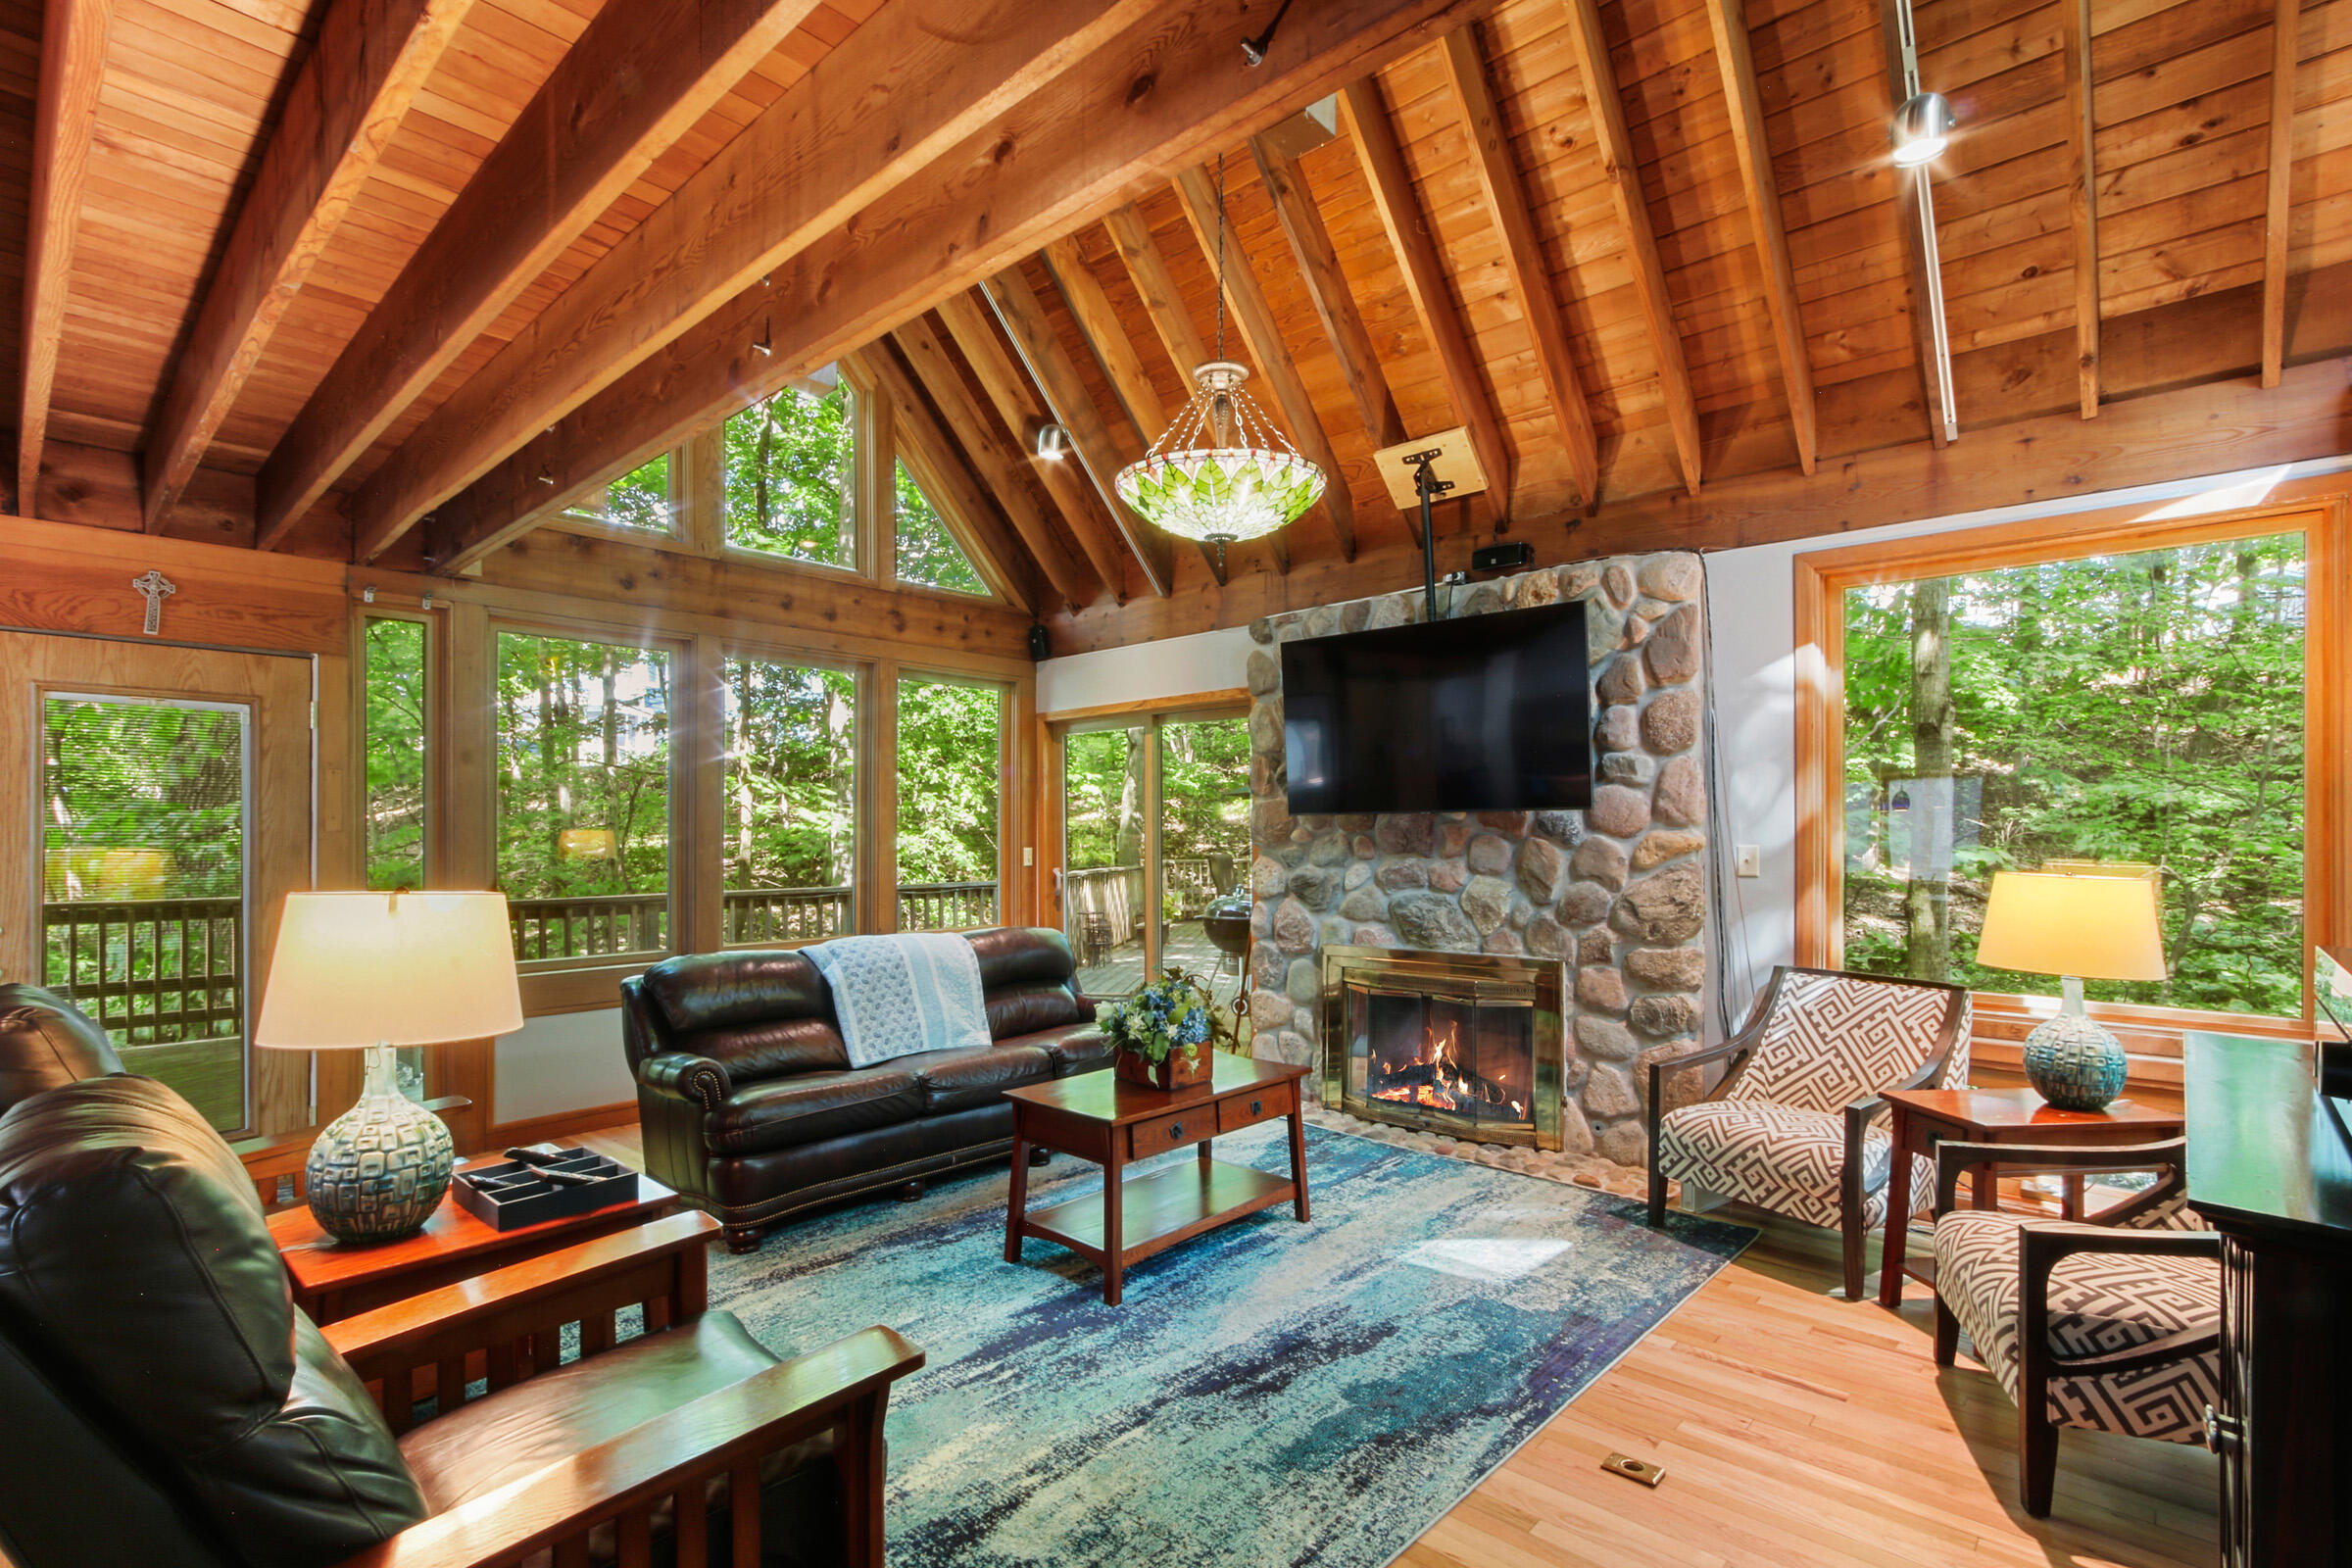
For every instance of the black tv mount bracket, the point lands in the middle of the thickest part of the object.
(1427, 486)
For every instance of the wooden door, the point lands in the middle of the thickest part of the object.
(160, 798)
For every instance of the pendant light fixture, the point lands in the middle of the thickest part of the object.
(1221, 471)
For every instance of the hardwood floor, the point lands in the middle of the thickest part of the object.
(1800, 1430)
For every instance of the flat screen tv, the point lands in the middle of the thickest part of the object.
(1486, 713)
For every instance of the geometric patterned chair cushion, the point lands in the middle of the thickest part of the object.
(1834, 1039)
(1787, 1160)
(2099, 1303)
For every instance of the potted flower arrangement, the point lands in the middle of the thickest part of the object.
(1161, 1036)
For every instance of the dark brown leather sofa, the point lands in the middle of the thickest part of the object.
(751, 1110)
(168, 1406)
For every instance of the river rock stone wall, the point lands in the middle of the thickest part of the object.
(1618, 890)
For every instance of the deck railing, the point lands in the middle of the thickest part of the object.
(152, 971)
(1104, 906)
(639, 922)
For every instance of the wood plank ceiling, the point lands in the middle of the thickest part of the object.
(389, 279)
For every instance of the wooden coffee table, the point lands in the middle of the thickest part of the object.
(335, 1280)
(1926, 1118)
(1096, 1116)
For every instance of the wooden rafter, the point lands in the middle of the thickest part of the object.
(73, 68)
(1735, 64)
(1327, 290)
(972, 323)
(1003, 473)
(371, 60)
(2278, 219)
(1163, 307)
(1400, 216)
(1081, 142)
(2083, 196)
(1523, 262)
(639, 77)
(1196, 194)
(1622, 168)
(1106, 338)
(1022, 314)
(940, 465)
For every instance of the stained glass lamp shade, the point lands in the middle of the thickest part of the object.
(1221, 472)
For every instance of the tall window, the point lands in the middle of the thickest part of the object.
(395, 739)
(2141, 709)
(791, 474)
(791, 803)
(639, 499)
(949, 756)
(584, 810)
(928, 554)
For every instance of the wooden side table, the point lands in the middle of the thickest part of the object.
(1096, 1116)
(335, 1280)
(1926, 1118)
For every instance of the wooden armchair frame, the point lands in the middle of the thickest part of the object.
(1853, 1232)
(505, 1326)
(2039, 1251)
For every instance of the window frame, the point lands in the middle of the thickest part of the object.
(1821, 579)
(890, 678)
(597, 527)
(863, 760)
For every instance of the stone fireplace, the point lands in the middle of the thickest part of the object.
(1614, 896)
(1455, 1043)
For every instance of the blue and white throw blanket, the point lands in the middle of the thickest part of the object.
(896, 996)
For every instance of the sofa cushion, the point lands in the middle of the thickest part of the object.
(1075, 1048)
(961, 1080)
(769, 1048)
(45, 1041)
(1015, 955)
(133, 1254)
(1026, 1006)
(714, 990)
(809, 1108)
(1777, 1158)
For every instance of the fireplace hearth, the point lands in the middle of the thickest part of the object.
(1467, 1043)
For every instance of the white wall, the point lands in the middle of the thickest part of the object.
(1750, 593)
(560, 1062)
(1180, 666)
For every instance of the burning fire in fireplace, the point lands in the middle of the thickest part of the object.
(1436, 1078)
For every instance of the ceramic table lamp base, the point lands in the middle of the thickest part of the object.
(2072, 1062)
(379, 1169)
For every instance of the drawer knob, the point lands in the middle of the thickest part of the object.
(1258, 1107)
(1175, 1129)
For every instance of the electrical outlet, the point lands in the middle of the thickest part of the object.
(1028, 856)
(1751, 859)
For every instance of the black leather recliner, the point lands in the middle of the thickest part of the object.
(752, 1111)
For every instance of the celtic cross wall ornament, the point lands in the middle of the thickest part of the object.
(155, 587)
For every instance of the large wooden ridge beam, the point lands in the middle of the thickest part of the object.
(371, 60)
(1736, 62)
(73, 68)
(1400, 209)
(1158, 97)
(637, 79)
(1523, 262)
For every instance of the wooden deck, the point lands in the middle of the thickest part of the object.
(1121, 969)
(1800, 1430)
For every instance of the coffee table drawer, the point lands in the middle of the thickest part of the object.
(1246, 1110)
(1147, 1138)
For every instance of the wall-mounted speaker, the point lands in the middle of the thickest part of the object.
(1041, 646)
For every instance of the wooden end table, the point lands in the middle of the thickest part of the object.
(335, 1280)
(1926, 1118)
(1098, 1117)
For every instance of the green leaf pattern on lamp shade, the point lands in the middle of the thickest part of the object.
(1221, 494)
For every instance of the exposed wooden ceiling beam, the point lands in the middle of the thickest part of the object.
(1621, 165)
(1400, 209)
(1196, 194)
(939, 464)
(1327, 290)
(1106, 337)
(2083, 195)
(371, 60)
(1004, 473)
(905, 86)
(2277, 221)
(72, 68)
(1523, 262)
(1737, 64)
(1022, 314)
(978, 208)
(972, 323)
(637, 79)
(1163, 305)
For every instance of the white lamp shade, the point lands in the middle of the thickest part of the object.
(354, 969)
(2093, 927)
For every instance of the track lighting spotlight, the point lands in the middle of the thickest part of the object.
(1923, 128)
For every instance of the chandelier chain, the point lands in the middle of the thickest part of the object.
(1220, 255)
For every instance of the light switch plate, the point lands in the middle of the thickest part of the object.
(1028, 855)
(1751, 859)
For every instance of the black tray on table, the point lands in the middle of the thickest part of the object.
(519, 1196)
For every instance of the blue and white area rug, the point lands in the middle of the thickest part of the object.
(1271, 1392)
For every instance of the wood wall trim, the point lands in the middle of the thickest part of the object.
(371, 60)
(74, 36)
(557, 1125)
(66, 578)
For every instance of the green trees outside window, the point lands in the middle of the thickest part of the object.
(791, 802)
(583, 807)
(394, 738)
(791, 475)
(928, 554)
(949, 756)
(638, 499)
(2143, 708)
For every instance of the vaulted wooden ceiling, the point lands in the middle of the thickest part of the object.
(390, 279)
